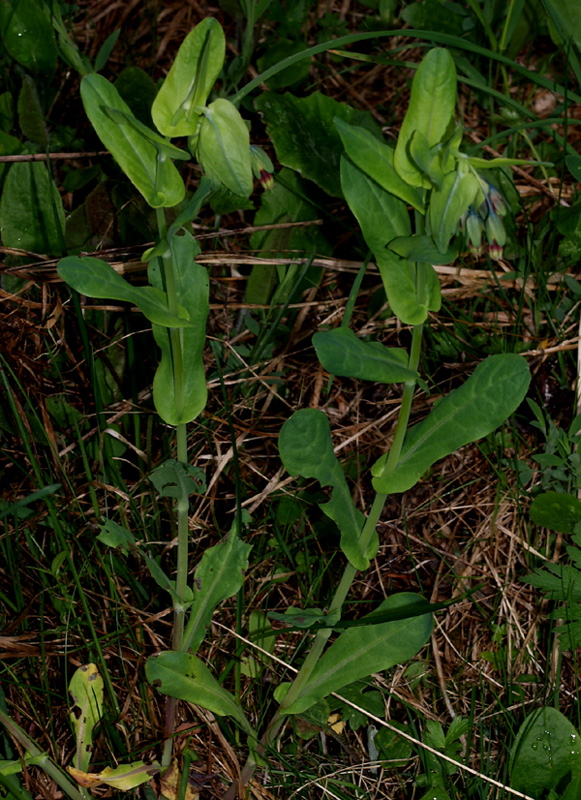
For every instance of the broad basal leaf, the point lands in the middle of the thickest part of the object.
(546, 748)
(490, 395)
(27, 34)
(31, 210)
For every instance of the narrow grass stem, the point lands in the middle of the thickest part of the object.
(303, 676)
(41, 759)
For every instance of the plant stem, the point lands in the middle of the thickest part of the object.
(182, 504)
(41, 759)
(303, 676)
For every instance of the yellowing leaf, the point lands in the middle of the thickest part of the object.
(123, 777)
(86, 692)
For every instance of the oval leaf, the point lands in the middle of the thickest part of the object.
(556, 511)
(430, 111)
(546, 748)
(490, 395)
(176, 109)
(363, 650)
(341, 352)
(157, 180)
(306, 449)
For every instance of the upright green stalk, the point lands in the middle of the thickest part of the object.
(182, 457)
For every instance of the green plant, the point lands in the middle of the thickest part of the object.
(428, 171)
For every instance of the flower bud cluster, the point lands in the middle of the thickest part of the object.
(486, 220)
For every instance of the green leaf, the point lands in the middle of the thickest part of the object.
(285, 202)
(106, 50)
(219, 575)
(223, 148)
(428, 159)
(30, 116)
(139, 91)
(430, 111)
(303, 617)
(304, 136)
(493, 163)
(574, 166)
(177, 480)
(556, 511)
(306, 449)
(421, 248)
(167, 149)
(193, 287)
(95, 278)
(26, 33)
(31, 210)
(184, 92)
(545, 750)
(375, 159)
(184, 676)
(566, 18)
(459, 191)
(383, 218)
(114, 535)
(86, 693)
(341, 352)
(361, 651)
(158, 180)
(490, 395)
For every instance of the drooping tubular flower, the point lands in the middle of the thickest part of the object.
(486, 220)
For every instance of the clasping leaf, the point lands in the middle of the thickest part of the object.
(176, 109)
